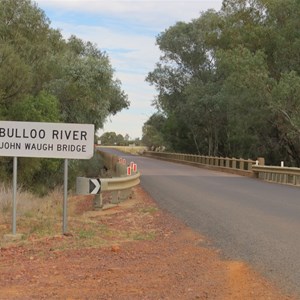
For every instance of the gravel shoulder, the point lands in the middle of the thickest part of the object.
(131, 251)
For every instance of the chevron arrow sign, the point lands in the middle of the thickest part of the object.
(94, 186)
(86, 186)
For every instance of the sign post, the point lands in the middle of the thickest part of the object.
(65, 206)
(14, 206)
(48, 140)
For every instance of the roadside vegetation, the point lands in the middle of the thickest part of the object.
(35, 215)
(228, 83)
(45, 78)
(40, 219)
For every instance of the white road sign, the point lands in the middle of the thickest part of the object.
(52, 140)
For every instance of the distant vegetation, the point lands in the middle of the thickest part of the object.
(46, 78)
(228, 83)
(110, 138)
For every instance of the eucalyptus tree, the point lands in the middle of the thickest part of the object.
(186, 68)
(230, 79)
(85, 86)
(269, 28)
(153, 131)
(46, 78)
(283, 19)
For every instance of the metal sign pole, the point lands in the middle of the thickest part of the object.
(14, 206)
(65, 206)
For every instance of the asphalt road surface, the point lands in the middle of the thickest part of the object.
(247, 219)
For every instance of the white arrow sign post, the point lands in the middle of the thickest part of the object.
(51, 140)
(88, 186)
(95, 186)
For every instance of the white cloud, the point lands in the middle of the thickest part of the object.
(156, 13)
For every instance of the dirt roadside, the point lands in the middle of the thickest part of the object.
(144, 254)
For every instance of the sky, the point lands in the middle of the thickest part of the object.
(126, 30)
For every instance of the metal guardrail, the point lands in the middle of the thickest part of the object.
(120, 183)
(120, 186)
(283, 175)
(86, 186)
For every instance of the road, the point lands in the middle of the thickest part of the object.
(247, 219)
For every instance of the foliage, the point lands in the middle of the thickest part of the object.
(152, 131)
(228, 82)
(111, 138)
(46, 78)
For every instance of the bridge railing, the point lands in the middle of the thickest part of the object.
(245, 167)
(233, 165)
(252, 168)
(277, 174)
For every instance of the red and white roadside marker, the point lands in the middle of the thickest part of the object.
(128, 171)
(134, 167)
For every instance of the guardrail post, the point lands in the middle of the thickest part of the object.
(97, 202)
(242, 164)
(216, 161)
(227, 162)
(294, 179)
(285, 178)
(221, 161)
(249, 164)
(115, 197)
(233, 166)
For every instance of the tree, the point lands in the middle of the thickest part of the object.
(34, 57)
(111, 138)
(153, 131)
(186, 69)
(227, 81)
(48, 79)
(244, 96)
(285, 105)
(85, 87)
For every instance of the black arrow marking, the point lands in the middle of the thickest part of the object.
(94, 186)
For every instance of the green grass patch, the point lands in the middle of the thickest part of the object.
(86, 234)
(149, 210)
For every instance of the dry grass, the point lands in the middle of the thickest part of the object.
(34, 214)
(40, 219)
(27, 203)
